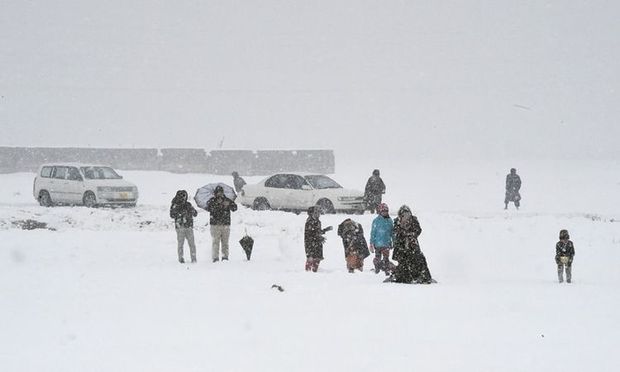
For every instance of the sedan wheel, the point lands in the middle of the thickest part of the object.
(261, 205)
(325, 206)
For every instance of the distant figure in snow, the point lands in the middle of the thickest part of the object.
(220, 207)
(381, 240)
(373, 191)
(564, 253)
(412, 266)
(238, 182)
(354, 243)
(183, 213)
(513, 185)
(314, 239)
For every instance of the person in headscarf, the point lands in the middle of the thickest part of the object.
(412, 266)
(314, 239)
(183, 214)
(354, 243)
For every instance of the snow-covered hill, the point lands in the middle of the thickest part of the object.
(103, 291)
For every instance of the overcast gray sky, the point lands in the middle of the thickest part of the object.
(427, 78)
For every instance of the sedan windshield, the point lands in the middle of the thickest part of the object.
(100, 173)
(322, 182)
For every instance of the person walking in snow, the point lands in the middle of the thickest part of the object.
(381, 239)
(412, 266)
(314, 239)
(373, 191)
(354, 243)
(513, 185)
(183, 214)
(220, 207)
(564, 253)
(238, 182)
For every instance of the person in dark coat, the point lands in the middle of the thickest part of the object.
(220, 207)
(313, 239)
(373, 191)
(513, 185)
(183, 214)
(412, 266)
(564, 253)
(354, 243)
(238, 182)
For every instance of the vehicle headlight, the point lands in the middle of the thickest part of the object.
(104, 189)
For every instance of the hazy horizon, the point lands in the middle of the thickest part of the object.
(368, 79)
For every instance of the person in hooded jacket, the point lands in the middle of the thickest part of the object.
(412, 266)
(564, 253)
(381, 239)
(220, 207)
(183, 214)
(513, 185)
(314, 239)
(373, 191)
(238, 182)
(354, 243)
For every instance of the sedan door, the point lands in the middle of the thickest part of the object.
(300, 195)
(275, 191)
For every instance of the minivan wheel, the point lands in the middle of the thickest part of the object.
(89, 199)
(325, 206)
(44, 199)
(261, 204)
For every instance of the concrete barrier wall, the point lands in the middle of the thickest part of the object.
(246, 162)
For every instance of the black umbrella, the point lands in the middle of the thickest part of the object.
(247, 243)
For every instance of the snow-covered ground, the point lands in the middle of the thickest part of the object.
(103, 291)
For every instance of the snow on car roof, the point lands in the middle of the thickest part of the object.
(73, 164)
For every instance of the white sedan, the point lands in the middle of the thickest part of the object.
(287, 191)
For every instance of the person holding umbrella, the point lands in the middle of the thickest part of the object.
(220, 206)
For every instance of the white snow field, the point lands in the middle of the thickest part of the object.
(103, 290)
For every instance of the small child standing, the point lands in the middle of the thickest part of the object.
(564, 253)
(381, 240)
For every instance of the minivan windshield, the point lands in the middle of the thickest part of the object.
(322, 182)
(100, 173)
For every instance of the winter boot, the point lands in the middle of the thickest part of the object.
(181, 260)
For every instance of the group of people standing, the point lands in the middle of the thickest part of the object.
(398, 237)
(183, 213)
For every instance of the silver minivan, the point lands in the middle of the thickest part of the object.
(82, 184)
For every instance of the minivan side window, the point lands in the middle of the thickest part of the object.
(74, 174)
(46, 172)
(60, 173)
